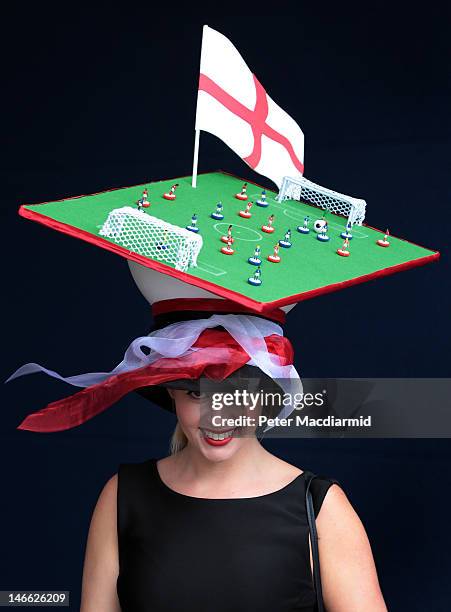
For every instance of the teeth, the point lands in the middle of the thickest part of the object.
(217, 436)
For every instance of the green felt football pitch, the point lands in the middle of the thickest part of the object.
(309, 267)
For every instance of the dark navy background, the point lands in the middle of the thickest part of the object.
(105, 97)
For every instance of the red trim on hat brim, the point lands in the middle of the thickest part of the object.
(145, 261)
(253, 305)
(78, 408)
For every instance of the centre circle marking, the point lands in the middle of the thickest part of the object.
(254, 236)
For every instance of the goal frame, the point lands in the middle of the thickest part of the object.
(182, 245)
(353, 209)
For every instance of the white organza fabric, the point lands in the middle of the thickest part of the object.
(177, 339)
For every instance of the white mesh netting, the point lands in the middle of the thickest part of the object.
(141, 233)
(327, 199)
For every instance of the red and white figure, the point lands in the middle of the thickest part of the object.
(384, 242)
(344, 249)
(229, 237)
(233, 105)
(228, 250)
(143, 202)
(242, 195)
(170, 195)
(246, 214)
(268, 227)
(275, 257)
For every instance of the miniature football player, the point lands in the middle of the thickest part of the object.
(262, 199)
(143, 201)
(242, 195)
(384, 242)
(163, 245)
(286, 242)
(275, 258)
(347, 232)
(246, 213)
(268, 228)
(218, 212)
(193, 226)
(344, 250)
(255, 279)
(322, 236)
(255, 260)
(229, 237)
(228, 250)
(170, 195)
(304, 229)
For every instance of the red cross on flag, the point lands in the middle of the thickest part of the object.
(233, 105)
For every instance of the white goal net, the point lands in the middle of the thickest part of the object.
(141, 233)
(304, 190)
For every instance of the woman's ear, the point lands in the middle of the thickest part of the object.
(171, 393)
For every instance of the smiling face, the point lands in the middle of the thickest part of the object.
(215, 443)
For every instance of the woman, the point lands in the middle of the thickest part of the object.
(221, 526)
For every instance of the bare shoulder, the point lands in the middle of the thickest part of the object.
(292, 469)
(339, 523)
(107, 497)
(348, 571)
(101, 564)
(103, 520)
(337, 511)
(107, 500)
(282, 468)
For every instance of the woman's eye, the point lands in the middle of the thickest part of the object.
(197, 395)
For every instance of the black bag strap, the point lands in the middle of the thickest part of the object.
(309, 477)
(314, 542)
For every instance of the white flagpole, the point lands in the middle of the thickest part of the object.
(197, 132)
(196, 158)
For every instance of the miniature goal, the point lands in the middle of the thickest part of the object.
(141, 233)
(306, 191)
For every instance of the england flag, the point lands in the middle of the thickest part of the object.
(233, 105)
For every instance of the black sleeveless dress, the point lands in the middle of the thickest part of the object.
(180, 553)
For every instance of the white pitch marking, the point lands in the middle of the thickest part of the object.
(254, 197)
(204, 266)
(235, 233)
(290, 213)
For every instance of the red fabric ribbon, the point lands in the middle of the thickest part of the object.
(77, 408)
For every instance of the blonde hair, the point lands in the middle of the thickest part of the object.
(178, 440)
